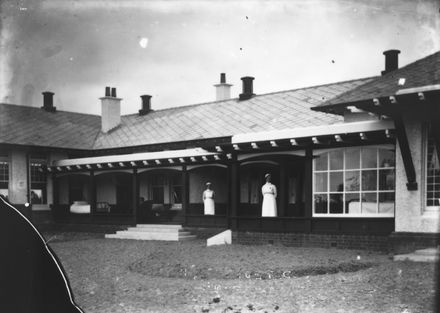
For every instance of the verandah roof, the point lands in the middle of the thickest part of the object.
(173, 157)
(122, 159)
(315, 131)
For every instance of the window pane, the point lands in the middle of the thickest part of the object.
(369, 203)
(386, 158)
(386, 179)
(352, 180)
(321, 162)
(352, 203)
(433, 174)
(369, 180)
(336, 159)
(386, 202)
(37, 196)
(4, 171)
(352, 158)
(321, 203)
(369, 157)
(336, 203)
(336, 181)
(321, 182)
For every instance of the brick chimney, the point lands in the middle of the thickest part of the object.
(146, 104)
(391, 61)
(48, 101)
(110, 110)
(248, 89)
(222, 90)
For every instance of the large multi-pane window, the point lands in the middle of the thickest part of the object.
(432, 173)
(356, 181)
(4, 176)
(38, 180)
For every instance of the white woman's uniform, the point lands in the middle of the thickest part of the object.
(208, 201)
(269, 200)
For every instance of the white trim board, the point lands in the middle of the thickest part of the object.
(169, 154)
(313, 131)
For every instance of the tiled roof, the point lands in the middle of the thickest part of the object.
(421, 73)
(273, 111)
(23, 125)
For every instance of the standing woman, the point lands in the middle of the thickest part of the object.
(208, 200)
(269, 192)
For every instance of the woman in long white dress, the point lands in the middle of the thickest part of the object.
(269, 192)
(208, 200)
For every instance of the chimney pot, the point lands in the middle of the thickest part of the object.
(391, 61)
(48, 101)
(248, 89)
(222, 78)
(110, 110)
(146, 104)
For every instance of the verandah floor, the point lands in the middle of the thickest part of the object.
(132, 276)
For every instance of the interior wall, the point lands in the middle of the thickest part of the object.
(217, 176)
(63, 189)
(106, 188)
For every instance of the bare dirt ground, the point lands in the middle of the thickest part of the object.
(109, 275)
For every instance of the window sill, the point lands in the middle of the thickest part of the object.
(354, 215)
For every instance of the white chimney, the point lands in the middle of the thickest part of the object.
(223, 90)
(110, 110)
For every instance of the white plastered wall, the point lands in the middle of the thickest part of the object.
(18, 182)
(411, 214)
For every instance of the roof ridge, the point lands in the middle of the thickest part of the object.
(39, 109)
(337, 100)
(410, 64)
(258, 95)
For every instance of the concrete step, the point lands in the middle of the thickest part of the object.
(154, 232)
(427, 251)
(422, 255)
(416, 258)
(144, 236)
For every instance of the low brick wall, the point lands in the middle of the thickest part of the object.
(364, 242)
(408, 242)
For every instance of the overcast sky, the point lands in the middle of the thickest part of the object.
(176, 50)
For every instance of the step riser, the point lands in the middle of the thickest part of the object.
(137, 230)
(147, 236)
(155, 230)
(159, 226)
(139, 238)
